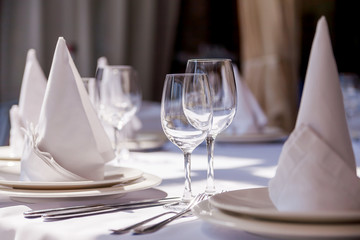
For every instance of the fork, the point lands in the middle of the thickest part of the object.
(154, 227)
(137, 226)
(96, 207)
(129, 228)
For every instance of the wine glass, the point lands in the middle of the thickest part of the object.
(350, 87)
(119, 98)
(222, 84)
(89, 83)
(186, 116)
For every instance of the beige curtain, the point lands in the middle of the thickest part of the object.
(135, 32)
(269, 56)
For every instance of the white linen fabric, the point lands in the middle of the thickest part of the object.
(69, 142)
(102, 62)
(31, 97)
(316, 169)
(249, 117)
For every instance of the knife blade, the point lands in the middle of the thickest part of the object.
(95, 207)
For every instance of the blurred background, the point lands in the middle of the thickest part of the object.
(269, 40)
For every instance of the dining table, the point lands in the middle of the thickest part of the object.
(238, 165)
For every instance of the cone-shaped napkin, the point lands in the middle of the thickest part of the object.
(249, 117)
(102, 62)
(31, 97)
(317, 170)
(69, 143)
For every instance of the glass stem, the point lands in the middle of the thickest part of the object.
(210, 186)
(116, 145)
(124, 151)
(187, 196)
(121, 151)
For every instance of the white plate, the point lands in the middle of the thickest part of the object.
(146, 141)
(10, 174)
(276, 229)
(255, 202)
(269, 134)
(6, 154)
(144, 182)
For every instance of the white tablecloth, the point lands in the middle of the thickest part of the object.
(237, 166)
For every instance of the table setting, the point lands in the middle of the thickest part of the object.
(250, 124)
(98, 162)
(315, 191)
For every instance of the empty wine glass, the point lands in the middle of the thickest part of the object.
(350, 86)
(90, 86)
(186, 116)
(119, 98)
(222, 84)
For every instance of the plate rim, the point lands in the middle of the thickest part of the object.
(273, 214)
(146, 181)
(70, 184)
(275, 134)
(279, 229)
(8, 157)
(158, 143)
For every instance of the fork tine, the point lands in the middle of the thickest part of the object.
(198, 198)
(157, 226)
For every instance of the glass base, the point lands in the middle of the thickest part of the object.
(214, 192)
(177, 206)
(210, 194)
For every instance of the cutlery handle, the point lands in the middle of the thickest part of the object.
(127, 229)
(72, 209)
(157, 226)
(88, 212)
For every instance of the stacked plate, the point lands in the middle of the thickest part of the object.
(6, 154)
(117, 180)
(251, 210)
(269, 134)
(146, 141)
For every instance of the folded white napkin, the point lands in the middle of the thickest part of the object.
(317, 170)
(31, 97)
(69, 142)
(249, 117)
(102, 62)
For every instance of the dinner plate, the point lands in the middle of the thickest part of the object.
(144, 182)
(6, 154)
(276, 229)
(146, 142)
(255, 202)
(269, 134)
(10, 175)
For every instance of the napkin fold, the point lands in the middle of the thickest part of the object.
(317, 169)
(32, 93)
(249, 117)
(102, 62)
(69, 142)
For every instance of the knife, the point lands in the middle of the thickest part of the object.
(60, 215)
(98, 207)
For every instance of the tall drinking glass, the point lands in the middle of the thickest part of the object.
(186, 116)
(90, 86)
(222, 84)
(119, 98)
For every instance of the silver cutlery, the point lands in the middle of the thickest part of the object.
(83, 210)
(82, 213)
(139, 229)
(129, 228)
